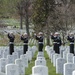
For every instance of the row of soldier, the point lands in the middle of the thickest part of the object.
(25, 40)
(40, 37)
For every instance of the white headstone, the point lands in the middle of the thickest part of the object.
(69, 58)
(5, 53)
(47, 48)
(59, 65)
(2, 73)
(41, 58)
(65, 55)
(62, 49)
(74, 59)
(3, 63)
(69, 68)
(51, 51)
(40, 62)
(40, 54)
(55, 56)
(24, 59)
(10, 59)
(29, 55)
(73, 73)
(20, 64)
(41, 70)
(52, 56)
(12, 69)
(15, 55)
(1, 53)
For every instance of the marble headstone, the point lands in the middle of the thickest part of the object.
(69, 68)
(12, 69)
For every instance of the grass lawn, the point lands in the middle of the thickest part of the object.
(51, 69)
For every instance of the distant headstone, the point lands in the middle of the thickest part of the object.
(10, 59)
(15, 56)
(52, 57)
(51, 51)
(55, 56)
(40, 58)
(40, 62)
(62, 49)
(29, 55)
(24, 59)
(5, 53)
(40, 54)
(65, 55)
(74, 59)
(47, 48)
(3, 63)
(69, 58)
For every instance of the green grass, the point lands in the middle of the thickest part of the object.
(31, 64)
(11, 22)
(51, 69)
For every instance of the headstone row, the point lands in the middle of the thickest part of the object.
(16, 63)
(64, 62)
(40, 67)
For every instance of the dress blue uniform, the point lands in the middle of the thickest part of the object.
(57, 43)
(25, 41)
(11, 44)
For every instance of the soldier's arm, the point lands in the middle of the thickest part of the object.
(68, 38)
(22, 38)
(8, 36)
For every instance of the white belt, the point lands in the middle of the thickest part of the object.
(25, 43)
(56, 42)
(11, 43)
(71, 43)
(40, 42)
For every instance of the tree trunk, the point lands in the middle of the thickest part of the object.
(27, 23)
(63, 38)
(48, 40)
(21, 22)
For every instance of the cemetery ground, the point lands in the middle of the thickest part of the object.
(51, 69)
(4, 41)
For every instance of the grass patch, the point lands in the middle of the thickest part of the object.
(10, 22)
(31, 64)
(51, 69)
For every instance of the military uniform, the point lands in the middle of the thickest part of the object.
(40, 43)
(56, 43)
(25, 48)
(11, 44)
(71, 40)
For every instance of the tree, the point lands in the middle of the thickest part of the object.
(24, 12)
(27, 5)
(42, 9)
(20, 7)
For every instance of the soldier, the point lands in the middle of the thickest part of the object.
(40, 38)
(70, 38)
(24, 38)
(11, 44)
(56, 42)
